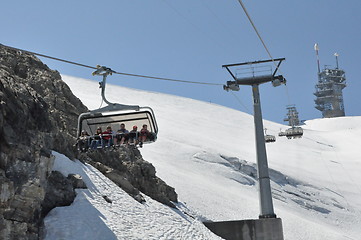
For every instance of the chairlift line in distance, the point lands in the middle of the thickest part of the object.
(295, 131)
(114, 114)
(268, 138)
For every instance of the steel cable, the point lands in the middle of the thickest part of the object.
(120, 73)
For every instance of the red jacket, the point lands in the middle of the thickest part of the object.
(107, 135)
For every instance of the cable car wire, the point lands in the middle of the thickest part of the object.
(240, 102)
(168, 79)
(191, 23)
(46, 56)
(120, 73)
(225, 26)
(255, 29)
(263, 43)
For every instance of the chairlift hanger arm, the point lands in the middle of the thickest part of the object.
(103, 70)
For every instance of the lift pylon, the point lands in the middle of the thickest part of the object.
(292, 118)
(265, 194)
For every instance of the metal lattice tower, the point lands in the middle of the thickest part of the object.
(292, 116)
(329, 99)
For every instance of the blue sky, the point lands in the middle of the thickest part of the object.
(191, 40)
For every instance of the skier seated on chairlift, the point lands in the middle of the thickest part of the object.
(144, 135)
(133, 135)
(96, 140)
(83, 141)
(121, 136)
(107, 137)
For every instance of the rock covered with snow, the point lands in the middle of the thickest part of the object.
(126, 168)
(76, 181)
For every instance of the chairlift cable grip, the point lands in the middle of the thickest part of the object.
(103, 71)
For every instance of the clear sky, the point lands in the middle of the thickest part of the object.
(191, 40)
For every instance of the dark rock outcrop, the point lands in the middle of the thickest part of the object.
(59, 192)
(38, 113)
(76, 181)
(35, 102)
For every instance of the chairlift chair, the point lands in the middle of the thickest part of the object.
(268, 138)
(114, 114)
(293, 132)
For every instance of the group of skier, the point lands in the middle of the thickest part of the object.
(108, 138)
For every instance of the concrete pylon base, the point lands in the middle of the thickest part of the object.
(253, 229)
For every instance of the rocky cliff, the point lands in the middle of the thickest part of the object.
(38, 114)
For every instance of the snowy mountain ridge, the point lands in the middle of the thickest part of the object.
(207, 153)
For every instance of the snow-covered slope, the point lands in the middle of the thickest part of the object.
(207, 153)
(91, 217)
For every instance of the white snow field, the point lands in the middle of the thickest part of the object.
(207, 153)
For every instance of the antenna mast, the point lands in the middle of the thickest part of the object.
(329, 97)
(318, 59)
(336, 55)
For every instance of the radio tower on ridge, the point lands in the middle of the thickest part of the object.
(331, 81)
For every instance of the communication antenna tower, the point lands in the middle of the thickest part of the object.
(331, 82)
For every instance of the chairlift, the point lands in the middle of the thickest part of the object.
(268, 138)
(293, 132)
(292, 118)
(114, 114)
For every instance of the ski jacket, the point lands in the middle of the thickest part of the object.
(107, 135)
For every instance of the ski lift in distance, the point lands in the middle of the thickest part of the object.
(268, 138)
(114, 114)
(293, 132)
(292, 118)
